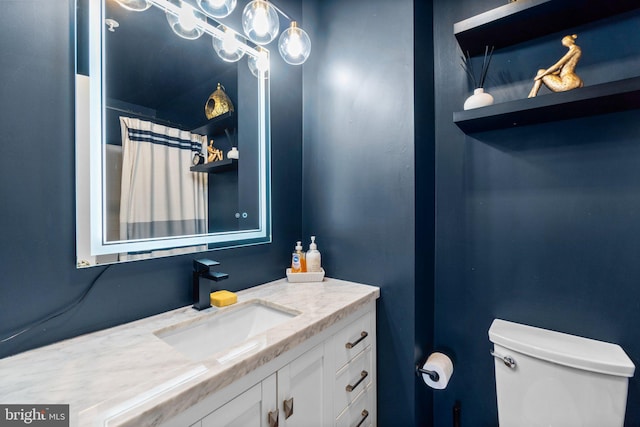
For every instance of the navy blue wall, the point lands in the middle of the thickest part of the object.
(359, 178)
(37, 184)
(424, 159)
(537, 225)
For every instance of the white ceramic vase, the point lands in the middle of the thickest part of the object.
(479, 99)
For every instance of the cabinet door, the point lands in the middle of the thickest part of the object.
(304, 391)
(250, 409)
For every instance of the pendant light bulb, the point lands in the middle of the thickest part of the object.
(217, 8)
(186, 23)
(294, 45)
(259, 65)
(228, 46)
(260, 22)
(187, 19)
(229, 42)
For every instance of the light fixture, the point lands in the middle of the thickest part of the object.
(217, 8)
(228, 46)
(294, 45)
(259, 65)
(135, 5)
(185, 24)
(260, 22)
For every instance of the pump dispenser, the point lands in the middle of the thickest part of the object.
(314, 263)
(298, 264)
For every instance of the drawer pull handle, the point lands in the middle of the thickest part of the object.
(365, 414)
(287, 405)
(363, 335)
(350, 387)
(273, 418)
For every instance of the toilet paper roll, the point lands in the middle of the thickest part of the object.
(440, 363)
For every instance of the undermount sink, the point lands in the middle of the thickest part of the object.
(226, 330)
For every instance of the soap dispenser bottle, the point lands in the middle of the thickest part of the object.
(298, 264)
(314, 263)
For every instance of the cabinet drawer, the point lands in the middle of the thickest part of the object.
(352, 340)
(360, 413)
(352, 380)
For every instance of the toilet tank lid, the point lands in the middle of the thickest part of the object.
(564, 349)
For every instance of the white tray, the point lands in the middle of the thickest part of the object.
(305, 277)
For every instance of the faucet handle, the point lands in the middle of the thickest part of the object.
(202, 265)
(216, 276)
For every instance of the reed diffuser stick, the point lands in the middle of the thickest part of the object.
(467, 66)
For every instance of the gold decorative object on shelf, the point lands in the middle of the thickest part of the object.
(214, 153)
(560, 76)
(218, 103)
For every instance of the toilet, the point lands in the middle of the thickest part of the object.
(547, 378)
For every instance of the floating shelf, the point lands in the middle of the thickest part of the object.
(524, 20)
(217, 125)
(604, 98)
(216, 167)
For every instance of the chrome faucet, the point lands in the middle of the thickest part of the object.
(202, 278)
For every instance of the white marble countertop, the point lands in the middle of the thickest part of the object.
(128, 369)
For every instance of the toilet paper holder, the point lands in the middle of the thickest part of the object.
(436, 371)
(432, 374)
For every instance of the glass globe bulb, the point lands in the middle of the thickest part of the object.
(260, 22)
(135, 5)
(186, 23)
(294, 45)
(217, 8)
(259, 65)
(228, 46)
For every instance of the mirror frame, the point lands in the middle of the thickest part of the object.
(93, 90)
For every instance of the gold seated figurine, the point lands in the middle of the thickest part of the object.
(560, 76)
(214, 153)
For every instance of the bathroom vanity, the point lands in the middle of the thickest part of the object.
(287, 354)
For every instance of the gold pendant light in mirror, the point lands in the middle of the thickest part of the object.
(218, 103)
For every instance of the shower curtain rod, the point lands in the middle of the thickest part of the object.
(150, 118)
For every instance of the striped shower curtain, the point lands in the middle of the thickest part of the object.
(160, 196)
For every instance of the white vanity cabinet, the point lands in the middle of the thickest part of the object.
(327, 380)
(317, 368)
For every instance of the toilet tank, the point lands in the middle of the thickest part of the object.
(556, 379)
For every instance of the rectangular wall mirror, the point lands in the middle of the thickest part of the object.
(156, 115)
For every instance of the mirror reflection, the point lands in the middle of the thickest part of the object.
(177, 135)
